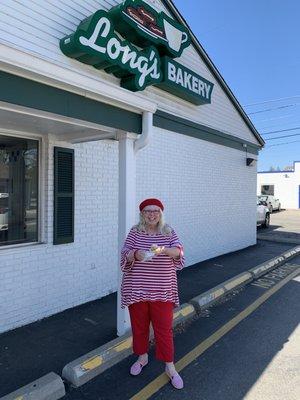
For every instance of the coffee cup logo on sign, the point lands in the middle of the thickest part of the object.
(175, 36)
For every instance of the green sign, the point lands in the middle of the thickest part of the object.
(184, 83)
(109, 40)
(95, 43)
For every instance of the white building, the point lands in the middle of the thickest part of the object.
(284, 185)
(78, 151)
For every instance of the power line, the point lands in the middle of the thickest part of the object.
(281, 137)
(281, 130)
(271, 101)
(275, 126)
(274, 108)
(281, 144)
(274, 119)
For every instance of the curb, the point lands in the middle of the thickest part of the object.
(263, 268)
(85, 368)
(96, 361)
(92, 364)
(278, 239)
(49, 387)
(208, 298)
(183, 313)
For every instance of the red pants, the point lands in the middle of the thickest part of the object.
(160, 314)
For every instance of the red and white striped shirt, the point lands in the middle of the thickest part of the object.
(153, 280)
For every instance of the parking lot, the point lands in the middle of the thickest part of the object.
(284, 226)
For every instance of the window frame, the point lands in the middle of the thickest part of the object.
(268, 194)
(42, 179)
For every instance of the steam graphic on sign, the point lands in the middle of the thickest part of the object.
(156, 28)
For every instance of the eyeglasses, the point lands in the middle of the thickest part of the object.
(151, 212)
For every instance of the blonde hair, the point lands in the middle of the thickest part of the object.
(163, 228)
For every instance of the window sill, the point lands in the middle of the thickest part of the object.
(14, 247)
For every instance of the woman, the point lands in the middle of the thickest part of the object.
(149, 286)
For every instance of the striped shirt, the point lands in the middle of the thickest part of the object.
(153, 280)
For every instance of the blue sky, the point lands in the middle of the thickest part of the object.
(255, 44)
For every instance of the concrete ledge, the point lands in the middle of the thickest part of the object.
(278, 239)
(95, 362)
(87, 367)
(238, 281)
(207, 298)
(211, 296)
(49, 387)
(183, 313)
(263, 268)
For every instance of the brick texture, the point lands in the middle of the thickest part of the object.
(41, 280)
(208, 191)
(209, 197)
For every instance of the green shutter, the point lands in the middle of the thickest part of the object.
(63, 229)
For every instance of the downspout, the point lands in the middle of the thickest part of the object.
(147, 131)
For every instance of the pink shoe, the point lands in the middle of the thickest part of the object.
(137, 367)
(176, 379)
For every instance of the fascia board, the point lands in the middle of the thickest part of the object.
(28, 66)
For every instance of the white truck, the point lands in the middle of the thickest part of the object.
(272, 203)
(3, 211)
(262, 215)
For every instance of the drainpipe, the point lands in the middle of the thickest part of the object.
(147, 130)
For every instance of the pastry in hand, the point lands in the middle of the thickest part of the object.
(157, 249)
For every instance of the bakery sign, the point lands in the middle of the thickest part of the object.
(138, 45)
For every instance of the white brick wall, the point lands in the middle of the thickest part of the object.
(286, 185)
(41, 280)
(209, 195)
(208, 191)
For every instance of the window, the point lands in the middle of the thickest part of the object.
(18, 190)
(267, 189)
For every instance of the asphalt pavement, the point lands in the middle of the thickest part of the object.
(257, 360)
(30, 352)
(217, 367)
(284, 227)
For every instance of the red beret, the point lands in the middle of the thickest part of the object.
(151, 202)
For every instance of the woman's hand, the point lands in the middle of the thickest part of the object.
(136, 255)
(139, 255)
(173, 252)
